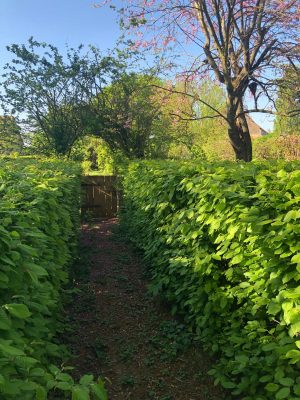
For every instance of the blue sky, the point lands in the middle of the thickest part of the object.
(57, 22)
(62, 22)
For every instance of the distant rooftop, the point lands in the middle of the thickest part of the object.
(256, 131)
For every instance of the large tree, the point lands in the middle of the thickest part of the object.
(54, 93)
(241, 42)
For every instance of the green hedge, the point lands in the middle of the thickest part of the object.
(39, 213)
(222, 242)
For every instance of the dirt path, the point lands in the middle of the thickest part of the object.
(123, 335)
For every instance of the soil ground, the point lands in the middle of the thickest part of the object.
(123, 335)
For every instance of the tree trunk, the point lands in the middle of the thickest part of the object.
(240, 140)
(238, 131)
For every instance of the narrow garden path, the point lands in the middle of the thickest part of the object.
(124, 335)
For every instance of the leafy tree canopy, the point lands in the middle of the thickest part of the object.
(55, 92)
(243, 44)
(130, 118)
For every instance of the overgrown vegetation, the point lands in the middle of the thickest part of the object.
(243, 45)
(221, 239)
(277, 147)
(222, 242)
(39, 211)
(91, 107)
(10, 136)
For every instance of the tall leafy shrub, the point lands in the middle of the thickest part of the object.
(39, 213)
(222, 242)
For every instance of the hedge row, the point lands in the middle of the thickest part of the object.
(222, 242)
(39, 213)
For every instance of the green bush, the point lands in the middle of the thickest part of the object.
(222, 243)
(39, 213)
(273, 146)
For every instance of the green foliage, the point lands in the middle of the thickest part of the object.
(287, 120)
(222, 243)
(212, 132)
(172, 340)
(131, 119)
(194, 129)
(56, 94)
(96, 156)
(39, 212)
(283, 147)
(10, 136)
(38, 144)
(105, 159)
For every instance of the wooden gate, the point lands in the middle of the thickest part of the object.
(100, 196)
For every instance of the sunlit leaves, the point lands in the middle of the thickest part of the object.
(224, 249)
(18, 310)
(39, 206)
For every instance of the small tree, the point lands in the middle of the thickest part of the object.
(10, 135)
(242, 43)
(130, 119)
(288, 103)
(194, 124)
(54, 92)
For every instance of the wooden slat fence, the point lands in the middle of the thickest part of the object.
(100, 196)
